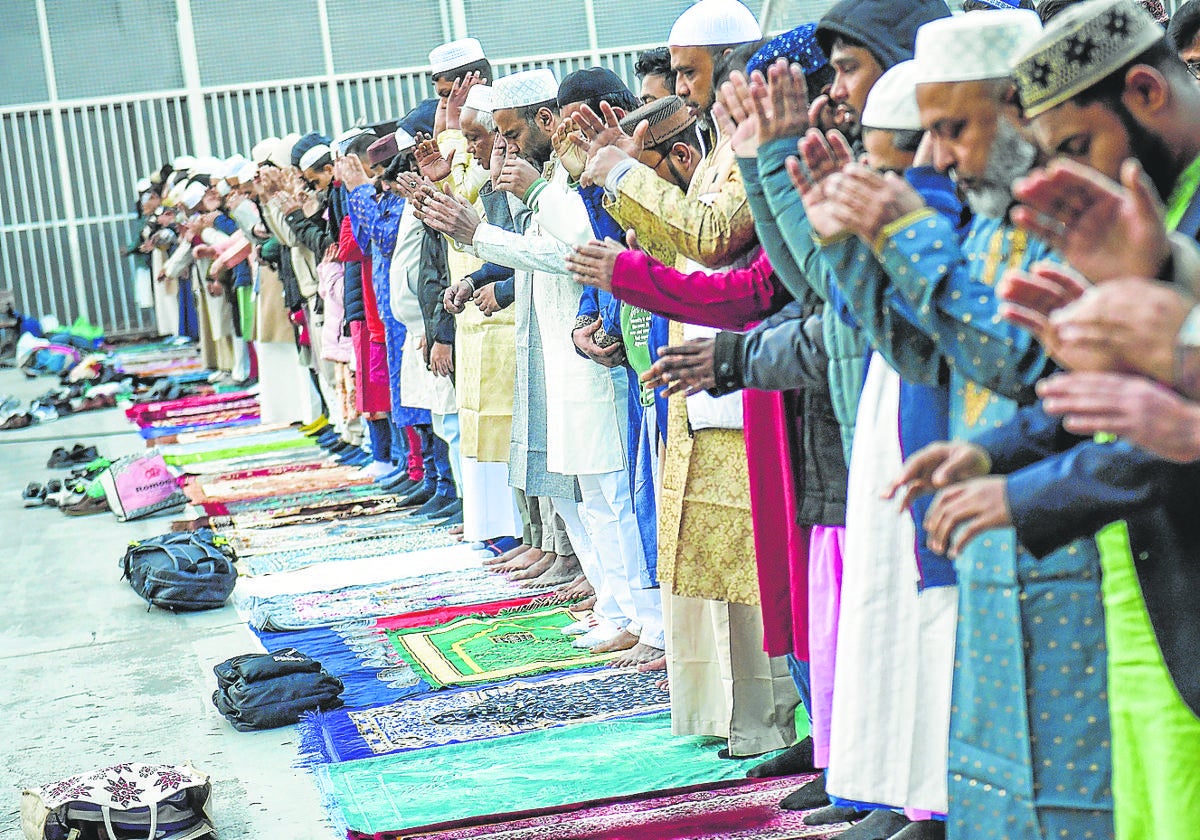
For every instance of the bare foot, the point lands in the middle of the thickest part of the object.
(565, 591)
(457, 531)
(663, 684)
(581, 589)
(522, 561)
(624, 640)
(639, 654)
(507, 556)
(534, 570)
(585, 604)
(563, 570)
(659, 664)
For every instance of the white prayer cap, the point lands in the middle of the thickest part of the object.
(892, 102)
(479, 98)
(282, 155)
(973, 47)
(192, 194)
(404, 141)
(183, 162)
(207, 166)
(246, 173)
(223, 188)
(309, 159)
(342, 140)
(232, 165)
(710, 23)
(142, 185)
(263, 149)
(529, 87)
(455, 54)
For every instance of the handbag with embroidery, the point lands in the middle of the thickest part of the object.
(122, 802)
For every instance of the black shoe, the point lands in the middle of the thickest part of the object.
(834, 814)
(455, 519)
(417, 497)
(796, 759)
(438, 514)
(34, 495)
(807, 797)
(403, 486)
(59, 459)
(436, 503)
(81, 454)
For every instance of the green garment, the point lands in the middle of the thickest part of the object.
(518, 772)
(635, 330)
(1155, 736)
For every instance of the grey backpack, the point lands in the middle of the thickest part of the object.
(182, 572)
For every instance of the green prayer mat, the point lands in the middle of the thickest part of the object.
(533, 770)
(240, 451)
(477, 649)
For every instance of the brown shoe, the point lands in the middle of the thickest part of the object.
(86, 507)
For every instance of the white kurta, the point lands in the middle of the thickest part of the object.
(895, 648)
(583, 435)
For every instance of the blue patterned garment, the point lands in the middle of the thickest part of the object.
(798, 46)
(376, 221)
(1029, 732)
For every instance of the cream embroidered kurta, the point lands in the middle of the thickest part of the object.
(484, 347)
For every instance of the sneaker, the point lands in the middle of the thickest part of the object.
(43, 413)
(34, 495)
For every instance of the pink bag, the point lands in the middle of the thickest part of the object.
(140, 485)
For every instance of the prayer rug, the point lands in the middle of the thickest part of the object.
(269, 460)
(320, 534)
(261, 487)
(487, 649)
(733, 811)
(545, 768)
(300, 558)
(368, 490)
(476, 714)
(321, 609)
(241, 450)
(300, 515)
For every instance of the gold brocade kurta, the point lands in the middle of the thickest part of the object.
(705, 533)
(484, 347)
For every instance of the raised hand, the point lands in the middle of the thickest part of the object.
(684, 369)
(1030, 298)
(458, 98)
(937, 466)
(605, 130)
(593, 264)
(866, 202)
(450, 215)
(781, 106)
(517, 175)
(824, 157)
(735, 114)
(1105, 230)
(349, 170)
(429, 158)
(499, 152)
(570, 154)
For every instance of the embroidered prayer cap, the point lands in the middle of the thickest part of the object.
(454, 55)
(263, 149)
(798, 46)
(313, 157)
(528, 87)
(1079, 48)
(479, 98)
(668, 117)
(713, 23)
(313, 138)
(892, 102)
(1157, 11)
(1001, 4)
(589, 83)
(973, 47)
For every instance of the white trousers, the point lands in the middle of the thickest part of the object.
(613, 527)
(489, 510)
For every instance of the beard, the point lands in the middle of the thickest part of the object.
(1010, 157)
(537, 150)
(1155, 155)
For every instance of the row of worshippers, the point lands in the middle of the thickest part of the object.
(924, 343)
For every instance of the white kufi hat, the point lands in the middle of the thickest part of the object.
(892, 102)
(973, 47)
(529, 87)
(710, 23)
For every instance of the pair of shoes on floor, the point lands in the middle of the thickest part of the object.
(16, 420)
(86, 506)
(74, 457)
(437, 509)
(34, 495)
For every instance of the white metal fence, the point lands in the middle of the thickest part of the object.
(68, 162)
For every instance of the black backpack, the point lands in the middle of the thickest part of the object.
(182, 572)
(266, 690)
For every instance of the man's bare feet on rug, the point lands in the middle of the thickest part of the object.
(522, 561)
(639, 654)
(586, 604)
(564, 570)
(511, 554)
(659, 663)
(624, 640)
(663, 685)
(579, 588)
(534, 569)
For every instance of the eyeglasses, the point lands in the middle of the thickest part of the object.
(1194, 68)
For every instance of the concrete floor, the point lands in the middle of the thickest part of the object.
(89, 677)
